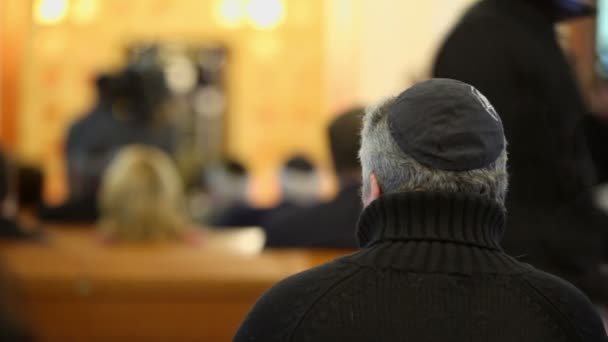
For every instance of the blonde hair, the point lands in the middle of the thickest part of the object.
(141, 197)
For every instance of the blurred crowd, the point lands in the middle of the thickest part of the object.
(125, 177)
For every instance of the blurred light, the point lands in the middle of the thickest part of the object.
(210, 102)
(50, 11)
(265, 14)
(85, 11)
(231, 13)
(181, 75)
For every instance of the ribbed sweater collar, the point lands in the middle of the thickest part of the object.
(430, 216)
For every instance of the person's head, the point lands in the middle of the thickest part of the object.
(141, 197)
(300, 181)
(438, 136)
(344, 143)
(227, 182)
(104, 86)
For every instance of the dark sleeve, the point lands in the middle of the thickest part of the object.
(491, 55)
(569, 304)
(478, 52)
(277, 314)
(283, 230)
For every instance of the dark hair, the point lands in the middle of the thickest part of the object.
(29, 186)
(235, 168)
(300, 163)
(344, 141)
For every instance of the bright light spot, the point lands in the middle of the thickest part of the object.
(231, 13)
(85, 11)
(266, 14)
(50, 11)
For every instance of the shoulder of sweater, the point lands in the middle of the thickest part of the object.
(280, 310)
(567, 304)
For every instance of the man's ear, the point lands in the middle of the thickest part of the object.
(375, 191)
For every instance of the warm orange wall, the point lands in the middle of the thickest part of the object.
(14, 25)
(275, 80)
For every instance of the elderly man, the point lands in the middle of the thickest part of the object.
(431, 267)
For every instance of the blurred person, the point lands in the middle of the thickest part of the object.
(300, 187)
(10, 226)
(141, 197)
(431, 267)
(509, 50)
(227, 183)
(129, 110)
(300, 182)
(331, 224)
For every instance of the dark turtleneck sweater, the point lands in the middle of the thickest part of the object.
(430, 268)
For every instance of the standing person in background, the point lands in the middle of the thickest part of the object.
(509, 50)
(130, 110)
(329, 224)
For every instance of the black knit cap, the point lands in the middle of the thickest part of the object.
(446, 124)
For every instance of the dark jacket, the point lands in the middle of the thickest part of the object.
(326, 225)
(508, 49)
(431, 269)
(94, 139)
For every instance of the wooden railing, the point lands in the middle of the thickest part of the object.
(73, 287)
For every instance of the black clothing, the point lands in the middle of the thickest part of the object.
(244, 215)
(326, 225)
(83, 210)
(11, 229)
(430, 269)
(508, 49)
(97, 137)
(596, 129)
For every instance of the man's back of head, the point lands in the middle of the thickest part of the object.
(430, 267)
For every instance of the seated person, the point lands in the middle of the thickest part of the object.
(300, 186)
(300, 183)
(141, 198)
(128, 111)
(431, 267)
(10, 226)
(29, 190)
(227, 183)
(327, 224)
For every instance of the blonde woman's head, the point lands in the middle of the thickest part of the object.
(141, 197)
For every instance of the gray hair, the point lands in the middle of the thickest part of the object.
(399, 172)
